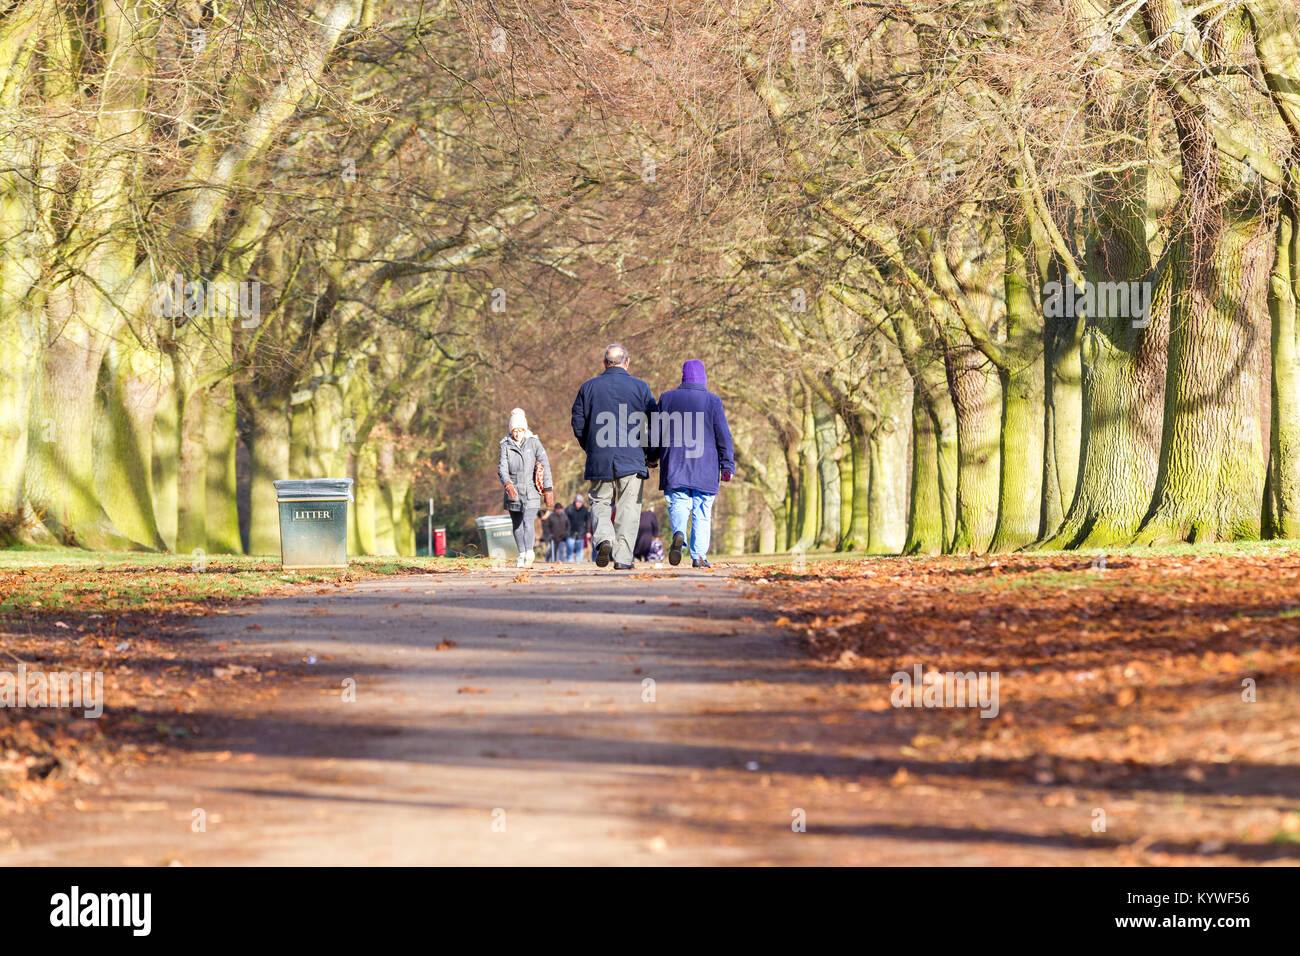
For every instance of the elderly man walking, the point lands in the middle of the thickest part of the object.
(695, 444)
(611, 418)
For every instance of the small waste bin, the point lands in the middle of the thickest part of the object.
(497, 536)
(440, 541)
(313, 521)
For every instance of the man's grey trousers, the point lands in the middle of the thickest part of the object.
(622, 495)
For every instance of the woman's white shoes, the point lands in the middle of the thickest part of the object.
(525, 560)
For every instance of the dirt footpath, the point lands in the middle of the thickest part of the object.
(576, 716)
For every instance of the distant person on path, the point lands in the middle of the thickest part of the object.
(579, 516)
(525, 472)
(645, 536)
(695, 449)
(555, 532)
(611, 416)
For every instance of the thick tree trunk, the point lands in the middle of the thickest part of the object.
(1062, 416)
(302, 447)
(887, 497)
(353, 531)
(857, 534)
(401, 495)
(359, 453)
(131, 387)
(269, 451)
(1283, 503)
(977, 402)
(17, 341)
(829, 475)
(807, 502)
(1123, 358)
(191, 463)
(1215, 440)
(166, 456)
(386, 466)
(1122, 354)
(318, 426)
(1210, 486)
(844, 466)
(921, 357)
(1020, 498)
(366, 493)
(20, 308)
(789, 529)
(1276, 26)
(1120, 445)
(925, 518)
(91, 266)
(328, 427)
(944, 417)
(60, 478)
(221, 503)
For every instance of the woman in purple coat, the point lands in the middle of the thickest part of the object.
(695, 452)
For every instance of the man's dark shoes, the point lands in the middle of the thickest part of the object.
(603, 552)
(676, 548)
(622, 567)
(700, 563)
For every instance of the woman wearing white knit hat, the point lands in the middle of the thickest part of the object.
(525, 472)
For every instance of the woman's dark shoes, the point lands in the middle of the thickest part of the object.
(603, 552)
(676, 548)
(700, 563)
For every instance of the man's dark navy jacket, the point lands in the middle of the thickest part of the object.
(611, 417)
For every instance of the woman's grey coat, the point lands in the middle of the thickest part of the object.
(517, 464)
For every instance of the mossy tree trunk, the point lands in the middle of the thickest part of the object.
(59, 477)
(808, 511)
(269, 451)
(1123, 389)
(1020, 373)
(1282, 505)
(191, 461)
(931, 398)
(1062, 413)
(1122, 354)
(887, 497)
(366, 492)
(828, 474)
(925, 518)
(1276, 26)
(1210, 483)
(221, 519)
(857, 532)
(385, 532)
(976, 399)
(132, 385)
(166, 455)
(17, 341)
(844, 465)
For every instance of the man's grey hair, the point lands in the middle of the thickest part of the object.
(615, 354)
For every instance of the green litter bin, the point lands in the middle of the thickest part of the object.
(497, 536)
(313, 521)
